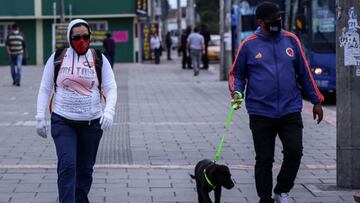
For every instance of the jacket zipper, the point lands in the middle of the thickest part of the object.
(277, 79)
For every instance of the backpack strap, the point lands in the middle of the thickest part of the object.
(97, 57)
(58, 59)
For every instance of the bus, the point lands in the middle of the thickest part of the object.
(314, 23)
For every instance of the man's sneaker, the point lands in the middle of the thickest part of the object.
(282, 198)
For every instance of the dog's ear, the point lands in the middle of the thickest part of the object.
(221, 173)
(222, 169)
(224, 177)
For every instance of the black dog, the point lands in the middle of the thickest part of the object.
(210, 176)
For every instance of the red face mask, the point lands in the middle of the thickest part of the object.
(80, 46)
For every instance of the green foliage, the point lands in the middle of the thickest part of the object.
(208, 11)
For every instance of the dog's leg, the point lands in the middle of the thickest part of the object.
(200, 199)
(203, 196)
(217, 194)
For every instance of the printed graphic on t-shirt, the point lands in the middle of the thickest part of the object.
(76, 88)
(73, 102)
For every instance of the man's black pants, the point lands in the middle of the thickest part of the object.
(186, 61)
(264, 130)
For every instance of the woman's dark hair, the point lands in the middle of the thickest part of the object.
(78, 25)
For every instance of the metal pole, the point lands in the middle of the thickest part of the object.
(152, 10)
(62, 12)
(287, 14)
(192, 14)
(70, 12)
(237, 2)
(222, 44)
(54, 11)
(179, 16)
(239, 26)
(348, 97)
(225, 38)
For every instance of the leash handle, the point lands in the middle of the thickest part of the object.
(229, 118)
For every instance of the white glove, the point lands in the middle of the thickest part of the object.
(41, 126)
(106, 121)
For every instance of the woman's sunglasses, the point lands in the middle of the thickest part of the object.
(78, 37)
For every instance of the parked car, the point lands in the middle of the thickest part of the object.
(214, 48)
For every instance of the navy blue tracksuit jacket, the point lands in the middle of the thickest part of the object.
(272, 71)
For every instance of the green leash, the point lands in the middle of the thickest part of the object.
(225, 131)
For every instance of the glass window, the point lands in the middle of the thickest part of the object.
(98, 31)
(5, 28)
(323, 25)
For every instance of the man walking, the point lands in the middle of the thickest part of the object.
(195, 43)
(168, 42)
(206, 34)
(109, 46)
(270, 66)
(15, 47)
(184, 50)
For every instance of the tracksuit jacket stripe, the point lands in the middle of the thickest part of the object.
(320, 96)
(231, 73)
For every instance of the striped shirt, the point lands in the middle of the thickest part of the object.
(16, 43)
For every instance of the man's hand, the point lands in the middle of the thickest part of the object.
(318, 111)
(236, 99)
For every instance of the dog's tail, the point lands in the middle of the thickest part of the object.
(192, 176)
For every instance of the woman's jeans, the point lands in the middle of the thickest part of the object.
(76, 144)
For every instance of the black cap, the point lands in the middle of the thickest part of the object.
(268, 11)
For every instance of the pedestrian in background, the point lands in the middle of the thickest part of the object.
(77, 121)
(272, 69)
(16, 49)
(206, 34)
(155, 46)
(186, 61)
(196, 45)
(109, 46)
(168, 42)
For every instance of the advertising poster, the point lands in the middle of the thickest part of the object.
(59, 37)
(141, 7)
(121, 36)
(146, 30)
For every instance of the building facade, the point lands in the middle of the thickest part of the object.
(36, 17)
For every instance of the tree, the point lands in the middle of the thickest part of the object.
(208, 10)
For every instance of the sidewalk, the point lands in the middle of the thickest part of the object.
(166, 121)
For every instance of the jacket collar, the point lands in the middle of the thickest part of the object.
(265, 36)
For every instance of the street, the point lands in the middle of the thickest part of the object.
(166, 121)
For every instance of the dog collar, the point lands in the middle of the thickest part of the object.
(208, 180)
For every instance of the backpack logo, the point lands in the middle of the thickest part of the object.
(290, 52)
(258, 56)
